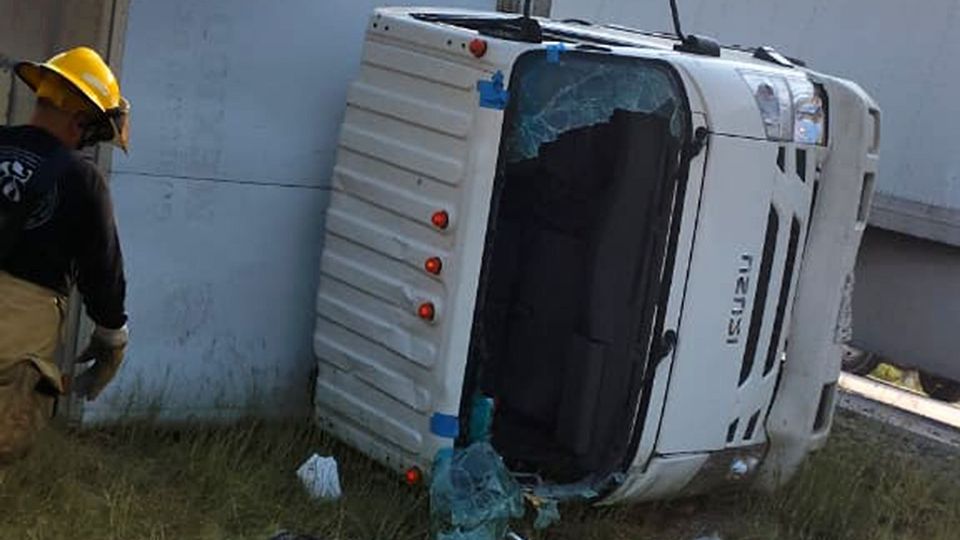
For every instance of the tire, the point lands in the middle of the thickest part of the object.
(859, 362)
(940, 388)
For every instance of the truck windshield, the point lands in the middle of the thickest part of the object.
(577, 249)
(576, 90)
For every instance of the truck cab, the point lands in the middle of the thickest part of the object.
(633, 256)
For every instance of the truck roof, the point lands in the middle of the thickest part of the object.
(585, 33)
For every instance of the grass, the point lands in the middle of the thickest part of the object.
(138, 482)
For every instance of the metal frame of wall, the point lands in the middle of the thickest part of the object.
(35, 30)
(937, 223)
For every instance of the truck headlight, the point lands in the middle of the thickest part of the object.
(790, 107)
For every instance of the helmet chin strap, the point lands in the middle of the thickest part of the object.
(95, 131)
(105, 127)
(86, 141)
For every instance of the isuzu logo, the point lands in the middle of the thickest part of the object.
(739, 305)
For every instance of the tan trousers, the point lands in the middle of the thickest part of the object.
(31, 318)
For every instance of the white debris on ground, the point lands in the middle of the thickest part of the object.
(713, 536)
(321, 477)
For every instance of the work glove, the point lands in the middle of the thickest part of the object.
(105, 350)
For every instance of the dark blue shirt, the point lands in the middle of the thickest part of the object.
(69, 236)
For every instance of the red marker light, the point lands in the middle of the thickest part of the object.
(440, 219)
(478, 47)
(426, 311)
(433, 265)
(413, 476)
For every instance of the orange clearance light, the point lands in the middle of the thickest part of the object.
(440, 219)
(426, 311)
(413, 476)
(478, 47)
(433, 265)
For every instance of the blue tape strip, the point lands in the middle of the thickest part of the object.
(492, 93)
(553, 52)
(444, 425)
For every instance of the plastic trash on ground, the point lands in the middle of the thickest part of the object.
(548, 513)
(321, 477)
(481, 419)
(473, 496)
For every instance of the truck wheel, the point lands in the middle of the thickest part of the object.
(940, 388)
(859, 362)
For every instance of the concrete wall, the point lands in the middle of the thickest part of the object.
(899, 303)
(236, 110)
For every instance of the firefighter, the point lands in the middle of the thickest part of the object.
(57, 230)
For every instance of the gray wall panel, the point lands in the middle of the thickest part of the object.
(221, 297)
(249, 90)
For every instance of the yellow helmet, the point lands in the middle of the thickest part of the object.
(77, 80)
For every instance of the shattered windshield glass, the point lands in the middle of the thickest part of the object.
(555, 95)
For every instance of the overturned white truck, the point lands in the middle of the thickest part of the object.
(636, 247)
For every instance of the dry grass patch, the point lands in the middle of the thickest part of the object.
(138, 482)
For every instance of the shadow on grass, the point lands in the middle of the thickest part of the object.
(238, 482)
